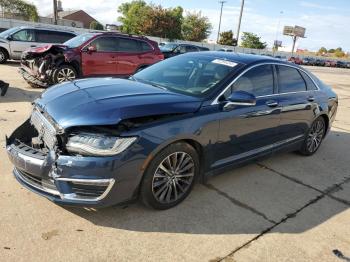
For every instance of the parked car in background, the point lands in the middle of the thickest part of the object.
(174, 49)
(341, 64)
(308, 61)
(100, 142)
(319, 62)
(90, 54)
(225, 50)
(295, 60)
(282, 58)
(14, 41)
(330, 63)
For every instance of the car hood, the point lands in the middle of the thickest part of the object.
(45, 48)
(107, 101)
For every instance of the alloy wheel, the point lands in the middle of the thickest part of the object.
(173, 177)
(315, 135)
(65, 74)
(2, 56)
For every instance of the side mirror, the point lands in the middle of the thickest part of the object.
(10, 38)
(240, 98)
(91, 49)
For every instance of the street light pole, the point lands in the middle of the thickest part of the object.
(240, 20)
(277, 29)
(222, 5)
(55, 14)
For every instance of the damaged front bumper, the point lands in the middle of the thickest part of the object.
(30, 78)
(69, 180)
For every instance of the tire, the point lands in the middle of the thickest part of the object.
(314, 137)
(64, 73)
(170, 176)
(3, 56)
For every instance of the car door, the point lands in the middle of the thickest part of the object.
(246, 131)
(21, 41)
(103, 59)
(298, 103)
(129, 56)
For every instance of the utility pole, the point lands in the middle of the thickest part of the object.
(239, 21)
(55, 14)
(222, 5)
(295, 38)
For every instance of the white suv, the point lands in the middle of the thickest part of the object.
(16, 40)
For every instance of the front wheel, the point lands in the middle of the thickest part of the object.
(64, 73)
(3, 56)
(314, 137)
(170, 176)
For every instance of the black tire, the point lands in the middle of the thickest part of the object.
(3, 56)
(314, 137)
(157, 183)
(64, 73)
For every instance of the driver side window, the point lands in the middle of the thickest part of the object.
(257, 81)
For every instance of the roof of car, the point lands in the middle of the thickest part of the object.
(48, 28)
(238, 57)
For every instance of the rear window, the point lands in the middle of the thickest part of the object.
(46, 36)
(309, 83)
(145, 46)
(290, 80)
(128, 45)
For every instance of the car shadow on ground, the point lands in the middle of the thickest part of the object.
(12, 63)
(248, 200)
(15, 94)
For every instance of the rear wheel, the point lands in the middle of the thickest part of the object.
(314, 137)
(64, 73)
(3, 56)
(170, 176)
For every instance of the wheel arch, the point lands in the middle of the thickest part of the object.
(326, 120)
(6, 52)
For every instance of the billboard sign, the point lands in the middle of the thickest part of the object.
(278, 43)
(288, 30)
(294, 31)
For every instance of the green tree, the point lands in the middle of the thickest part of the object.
(195, 27)
(94, 25)
(21, 8)
(134, 16)
(250, 40)
(332, 50)
(163, 22)
(322, 50)
(339, 53)
(226, 38)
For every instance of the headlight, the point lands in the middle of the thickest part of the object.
(98, 144)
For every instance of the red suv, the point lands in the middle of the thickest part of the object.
(90, 54)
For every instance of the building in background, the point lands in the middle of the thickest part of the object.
(74, 15)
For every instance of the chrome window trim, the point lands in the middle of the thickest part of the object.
(216, 100)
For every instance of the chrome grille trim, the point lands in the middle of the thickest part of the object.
(45, 129)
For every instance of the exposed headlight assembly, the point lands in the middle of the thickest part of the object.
(89, 144)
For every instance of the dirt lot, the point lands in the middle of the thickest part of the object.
(286, 208)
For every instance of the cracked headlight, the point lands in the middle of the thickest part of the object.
(98, 145)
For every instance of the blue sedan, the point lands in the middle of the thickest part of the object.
(104, 141)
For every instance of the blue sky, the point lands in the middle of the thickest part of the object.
(327, 22)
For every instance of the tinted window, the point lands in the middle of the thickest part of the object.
(257, 81)
(290, 80)
(45, 36)
(105, 44)
(26, 35)
(128, 45)
(309, 83)
(190, 48)
(145, 46)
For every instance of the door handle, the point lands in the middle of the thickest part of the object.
(272, 103)
(311, 99)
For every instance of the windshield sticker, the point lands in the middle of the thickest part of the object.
(224, 62)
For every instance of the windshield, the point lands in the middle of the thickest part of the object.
(169, 47)
(78, 40)
(189, 75)
(8, 32)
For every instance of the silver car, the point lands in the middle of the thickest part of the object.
(18, 39)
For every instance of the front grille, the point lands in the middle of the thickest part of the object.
(45, 185)
(45, 129)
